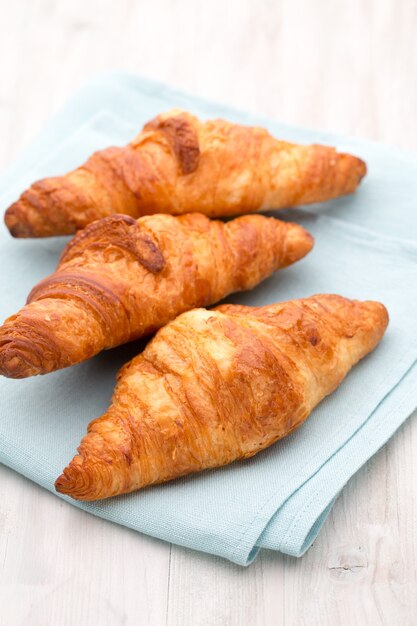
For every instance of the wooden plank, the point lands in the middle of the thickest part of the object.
(59, 565)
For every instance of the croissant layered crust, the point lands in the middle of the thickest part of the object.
(216, 386)
(179, 164)
(121, 278)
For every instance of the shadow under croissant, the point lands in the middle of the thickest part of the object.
(110, 361)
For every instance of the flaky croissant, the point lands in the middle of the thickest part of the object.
(216, 386)
(120, 279)
(178, 165)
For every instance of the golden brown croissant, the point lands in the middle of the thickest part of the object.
(178, 165)
(216, 386)
(120, 279)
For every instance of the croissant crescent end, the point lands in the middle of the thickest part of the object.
(179, 164)
(121, 278)
(216, 386)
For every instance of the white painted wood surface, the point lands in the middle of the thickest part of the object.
(342, 66)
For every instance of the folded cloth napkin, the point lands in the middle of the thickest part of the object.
(366, 247)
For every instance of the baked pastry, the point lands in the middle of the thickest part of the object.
(216, 386)
(121, 278)
(178, 165)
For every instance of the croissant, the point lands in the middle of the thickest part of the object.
(178, 165)
(120, 279)
(216, 386)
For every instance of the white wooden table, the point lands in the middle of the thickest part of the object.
(342, 66)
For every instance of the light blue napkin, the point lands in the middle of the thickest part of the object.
(366, 247)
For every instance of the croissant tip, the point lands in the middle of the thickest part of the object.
(309, 241)
(18, 219)
(64, 484)
(299, 242)
(361, 168)
(11, 219)
(306, 245)
(74, 481)
(24, 220)
(14, 364)
(380, 311)
(371, 315)
(355, 165)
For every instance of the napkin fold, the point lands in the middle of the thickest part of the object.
(366, 248)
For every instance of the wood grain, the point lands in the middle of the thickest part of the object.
(348, 67)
